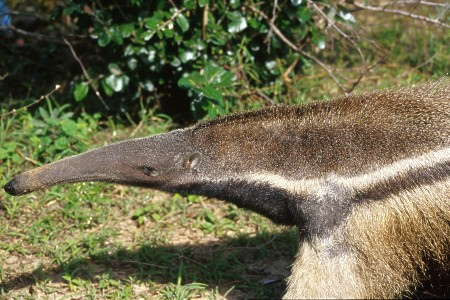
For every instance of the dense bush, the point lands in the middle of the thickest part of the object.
(216, 50)
(197, 56)
(192, 58)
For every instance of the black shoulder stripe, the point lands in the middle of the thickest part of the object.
(407, 181)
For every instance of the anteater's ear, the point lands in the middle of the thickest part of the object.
(193, 160)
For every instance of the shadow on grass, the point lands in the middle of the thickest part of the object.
(255, 266)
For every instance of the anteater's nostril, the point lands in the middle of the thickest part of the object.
(12, 187)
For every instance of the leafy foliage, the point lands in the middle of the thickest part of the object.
(202, 58)
(218, 51)
(52, 133)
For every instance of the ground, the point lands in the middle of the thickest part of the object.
(140, 244)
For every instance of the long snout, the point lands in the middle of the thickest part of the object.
(102, 164)
(125, 162)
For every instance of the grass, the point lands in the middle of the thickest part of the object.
(100, 241)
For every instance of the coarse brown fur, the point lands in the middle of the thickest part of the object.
(365, 178)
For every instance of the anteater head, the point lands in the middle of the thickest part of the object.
(160, 161)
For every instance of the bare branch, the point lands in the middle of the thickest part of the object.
(275, 29)
(4, 76)
(243, 76)
(327, 69)
(14, 111)
(34, 35)
(274, 17)
(298, 49)
(417, 2)
(402, 13)
(86, 74)
(351, 41)
(205, 21)
(333, 24)
(27, 158)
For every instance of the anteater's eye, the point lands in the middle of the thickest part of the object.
(149, 171)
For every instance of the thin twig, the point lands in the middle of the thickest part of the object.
(4, 76)
(86, 74)
(247, 85)
(298, 49)
(205, 21)
(57, 87)
(138, 127)
(173, 4)
(332, 23)
(401, 12)
(34, 35)
(265, 97)
(140, 263)
(420, 2)
(289, 69)
(195, 262)
(351, 41)
(274, 16)
(27, 158)
(327, 69)
(275, 29)
(426, 62)
(170, 20)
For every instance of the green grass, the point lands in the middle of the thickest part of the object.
(100, 241)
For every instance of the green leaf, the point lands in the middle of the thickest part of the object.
(186, 55)
(212, 93)
(81, 90)
(142, 220)
(347, 16)
(117, 83)
(69, 127)
(189, 4)
(182, 22)
(114, 69)
(3, 154)
(226, 79)
(147, 85)
(304, 14)
(116, 36)
(103, 39)
(106, 88)
(156, 216)
(237, 22)
(175, 62)
(16, 158)
(45, 141)
(318, 39)
(132, 63)
(147, 35)
(70, 9)
(184, 82)
(138, 212)
(296, 2)
(193, 80)
(61, 143)
(235, 3)
(168, 33)
(10, 146)
(126, 29)
(194, 199)
(209, 216)
(152, 23)
(202, 3)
